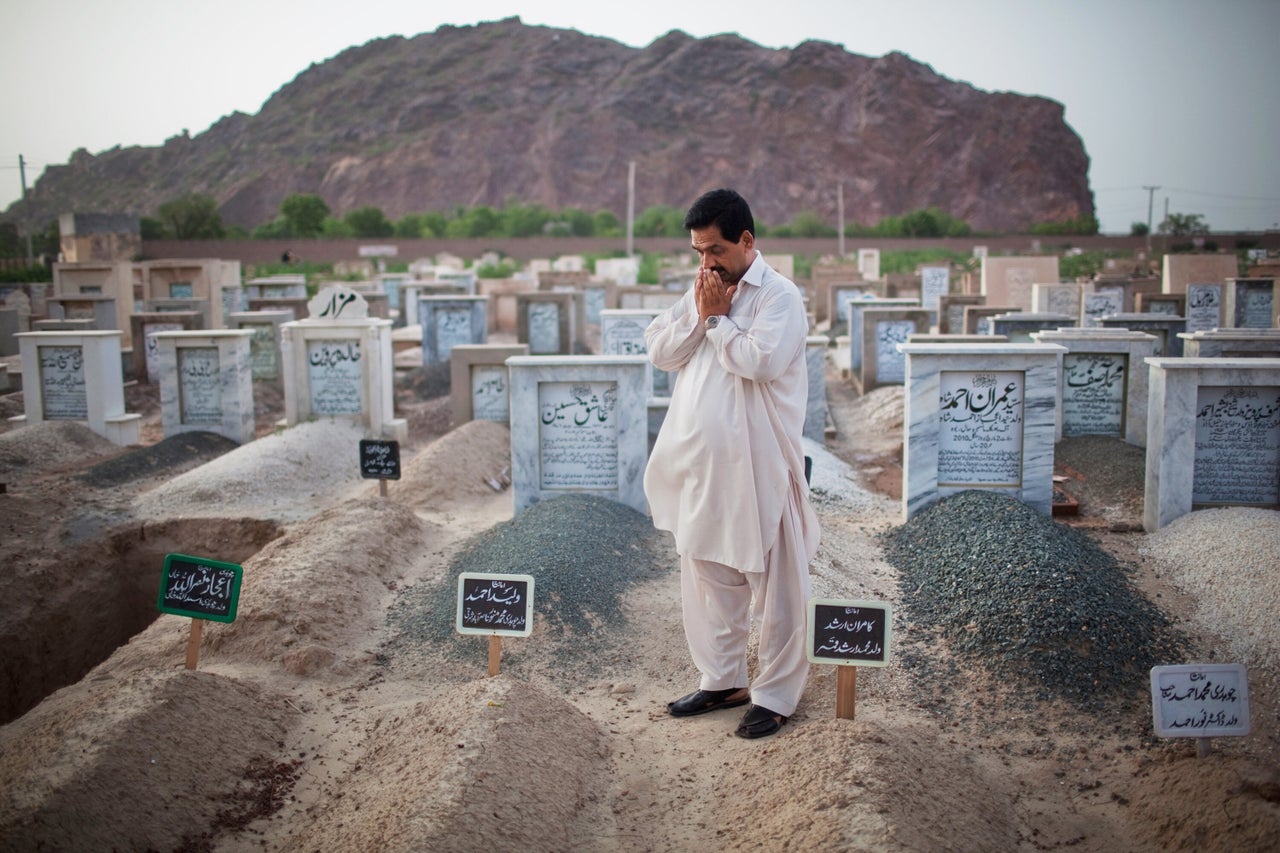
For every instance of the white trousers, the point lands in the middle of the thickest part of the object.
(716, 601)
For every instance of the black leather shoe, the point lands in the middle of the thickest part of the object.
(702, 701)
(759, 721)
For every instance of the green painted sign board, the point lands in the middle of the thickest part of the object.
(199, 588)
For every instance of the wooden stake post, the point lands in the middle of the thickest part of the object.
(846, 691)
(193, 643)
(495, 654)
(497, 606)
(849, 634)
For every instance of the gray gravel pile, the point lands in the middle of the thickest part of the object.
(1036, 603)
(583, 552)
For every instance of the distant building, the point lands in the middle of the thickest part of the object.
(98, 237)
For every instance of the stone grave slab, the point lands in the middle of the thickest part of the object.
(76, 376)
(1213, 436)
(1102, 382)
(206, 382)
(579, 424)
(480, 384)
(979, 417)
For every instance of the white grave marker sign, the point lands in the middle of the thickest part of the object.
(1200, 700)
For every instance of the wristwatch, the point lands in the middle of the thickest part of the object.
(712, 321)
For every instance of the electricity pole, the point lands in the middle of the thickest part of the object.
(1151, 197)
(840, 219)
(26, 211)
(631, 209)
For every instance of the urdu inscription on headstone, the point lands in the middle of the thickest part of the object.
(1101, 303)
(1253, 304)
(1204, 307)
(1237, 456)
(578, 435)
(490, 397)
(1093, 394)
(934, 282)
(199, 385)
(625, 336)
(62, 383)
(334, 377)
(148, 335)
(980, 436)
(453, 327)
(544, 328)
(262, 350)
(891, 364)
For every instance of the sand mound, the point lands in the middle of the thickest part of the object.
(452, 469)
(183, 739)
(289, 475)
(318, 588)
(50, 446)
(488, 765)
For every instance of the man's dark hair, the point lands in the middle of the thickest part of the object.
(723, 208)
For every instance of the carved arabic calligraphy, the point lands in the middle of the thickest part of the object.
(1093, 394)
(980, 428)
(1237, 451)
(199, 385)
(578, 435)
(62, 384)
(335, 376)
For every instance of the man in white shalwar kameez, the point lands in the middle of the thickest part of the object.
(726, 475)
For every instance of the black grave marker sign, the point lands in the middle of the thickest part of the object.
(495, 604)
(379, 460)
(199, 588)
(849, 632)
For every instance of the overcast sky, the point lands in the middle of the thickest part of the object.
(1176, 94)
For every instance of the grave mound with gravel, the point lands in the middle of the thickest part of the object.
(1036, 603)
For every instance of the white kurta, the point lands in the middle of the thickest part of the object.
(722, 471)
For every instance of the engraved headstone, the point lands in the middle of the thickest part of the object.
(980, 435)
(1093, 394)
(334, 377)
(148, 335)
(1237, 457)
(1204, 307)
(490, 397)
(62, 383)
(934, 283)
(890, 362)
(544, 328)
(578, 435)
(1099, 304)
(199, 385)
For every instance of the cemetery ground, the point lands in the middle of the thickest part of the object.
(341, 712)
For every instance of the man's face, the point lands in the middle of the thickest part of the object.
(730, 260)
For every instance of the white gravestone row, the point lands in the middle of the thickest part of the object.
(1214, 436)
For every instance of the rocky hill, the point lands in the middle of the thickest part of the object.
(482, 114)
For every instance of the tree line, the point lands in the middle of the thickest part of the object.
(195, 216)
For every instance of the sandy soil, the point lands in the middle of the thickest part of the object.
(307, 727)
